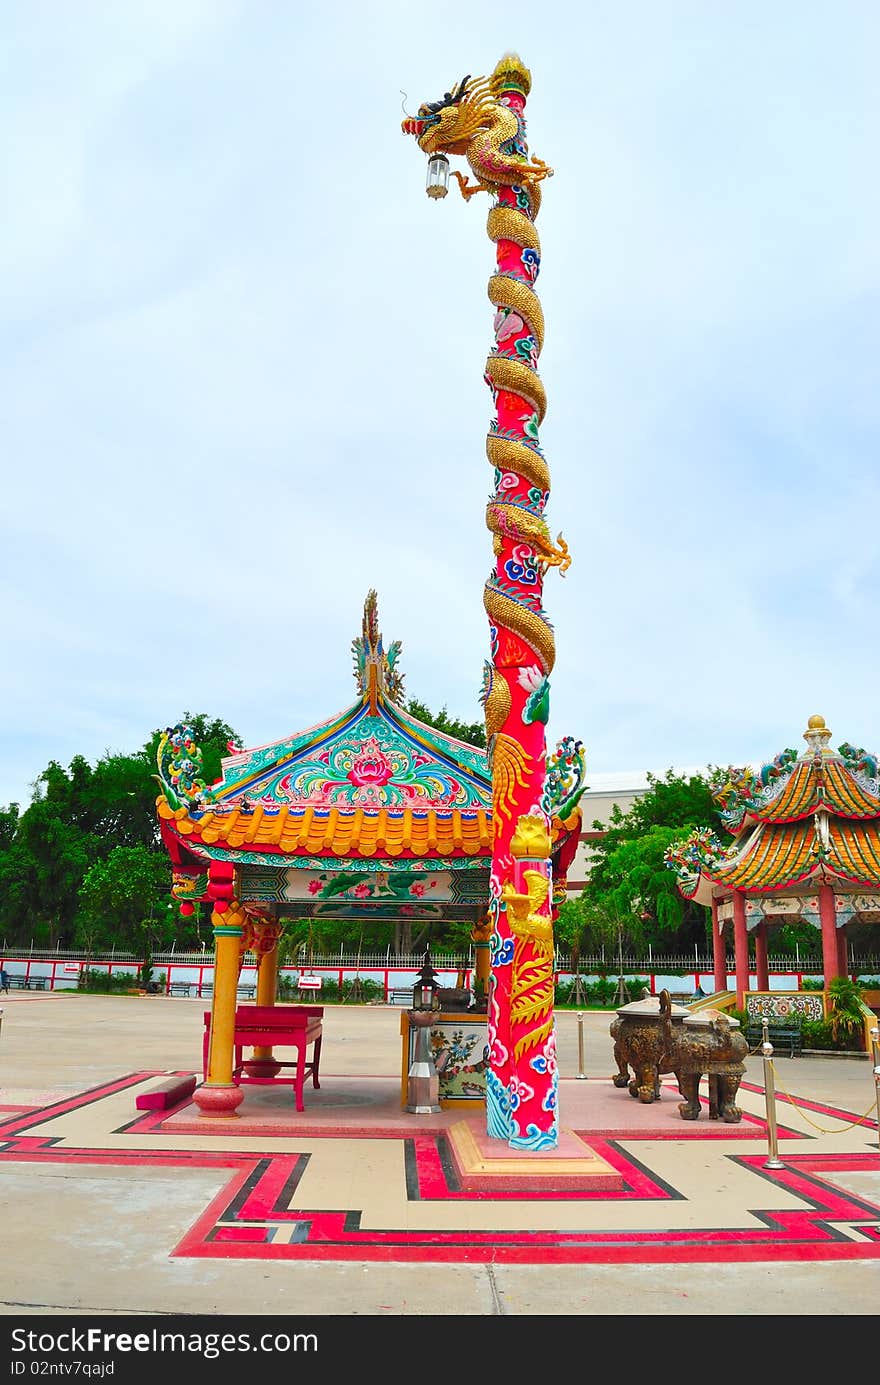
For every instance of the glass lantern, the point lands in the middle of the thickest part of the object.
(437, 184)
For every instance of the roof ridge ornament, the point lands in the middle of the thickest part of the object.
(859, 760)
(745, 788)
(817, 736)
(179, 761)
(375, 671)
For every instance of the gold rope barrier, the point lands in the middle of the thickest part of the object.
(824, 1129)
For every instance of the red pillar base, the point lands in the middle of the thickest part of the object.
(218, 1100)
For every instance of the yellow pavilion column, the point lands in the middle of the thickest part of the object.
(262, 1062)
(218, 1095)
(481, 936)
(267, 976)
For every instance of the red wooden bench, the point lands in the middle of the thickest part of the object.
(275, 1026)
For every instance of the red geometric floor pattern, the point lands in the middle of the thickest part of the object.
(257, 1206)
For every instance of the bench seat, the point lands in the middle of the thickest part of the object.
(779, 1034)
(400, 995)
(168, 1092)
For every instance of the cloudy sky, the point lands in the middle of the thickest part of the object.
(241, 359)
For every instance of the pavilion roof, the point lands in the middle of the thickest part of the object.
(791, 787)
(333, 831)
(817, 815)
(373, 782)
(785, 857)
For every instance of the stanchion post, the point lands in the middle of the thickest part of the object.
(581, 1075)
(772, 1161)
(875, 1052)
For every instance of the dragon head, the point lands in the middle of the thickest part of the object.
(446, 126)
(477, 110)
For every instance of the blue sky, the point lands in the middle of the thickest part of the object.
(241, 360)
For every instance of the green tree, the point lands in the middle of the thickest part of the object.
(472, 732)
(628, 878)
(52, 851)
(123, 901)
(76, 819)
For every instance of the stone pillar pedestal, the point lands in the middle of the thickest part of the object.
(218, 1100)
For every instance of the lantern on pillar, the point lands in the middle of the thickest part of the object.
(437, 184)
(426, 991)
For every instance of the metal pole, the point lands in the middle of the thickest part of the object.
(581, 1075)
(773, 1161)
(875, 1050)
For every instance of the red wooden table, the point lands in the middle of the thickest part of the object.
(275, 1026)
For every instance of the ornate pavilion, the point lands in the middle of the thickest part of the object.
(806, 845)
(371, 814)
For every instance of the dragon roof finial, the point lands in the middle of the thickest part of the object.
(375, 670)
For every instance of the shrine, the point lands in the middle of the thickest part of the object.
(373, 806)
(369, 815)
(806, 845)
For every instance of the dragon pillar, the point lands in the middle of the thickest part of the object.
(482, 119)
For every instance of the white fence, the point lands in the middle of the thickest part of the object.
(179, 974)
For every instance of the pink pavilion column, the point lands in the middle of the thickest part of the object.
(719, 960)
(741, 948)
(828, 920)
(842, 958)
(761, 968)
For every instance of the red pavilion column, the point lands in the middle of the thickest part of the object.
(485, 121)
(828, 920)
(842, 958)
(741, 948)
(719, 959)
(761, 968)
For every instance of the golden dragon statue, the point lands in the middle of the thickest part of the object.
(474, 120)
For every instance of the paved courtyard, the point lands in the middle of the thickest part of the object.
(354, 1207)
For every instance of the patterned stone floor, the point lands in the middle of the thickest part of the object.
(355, 1178)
